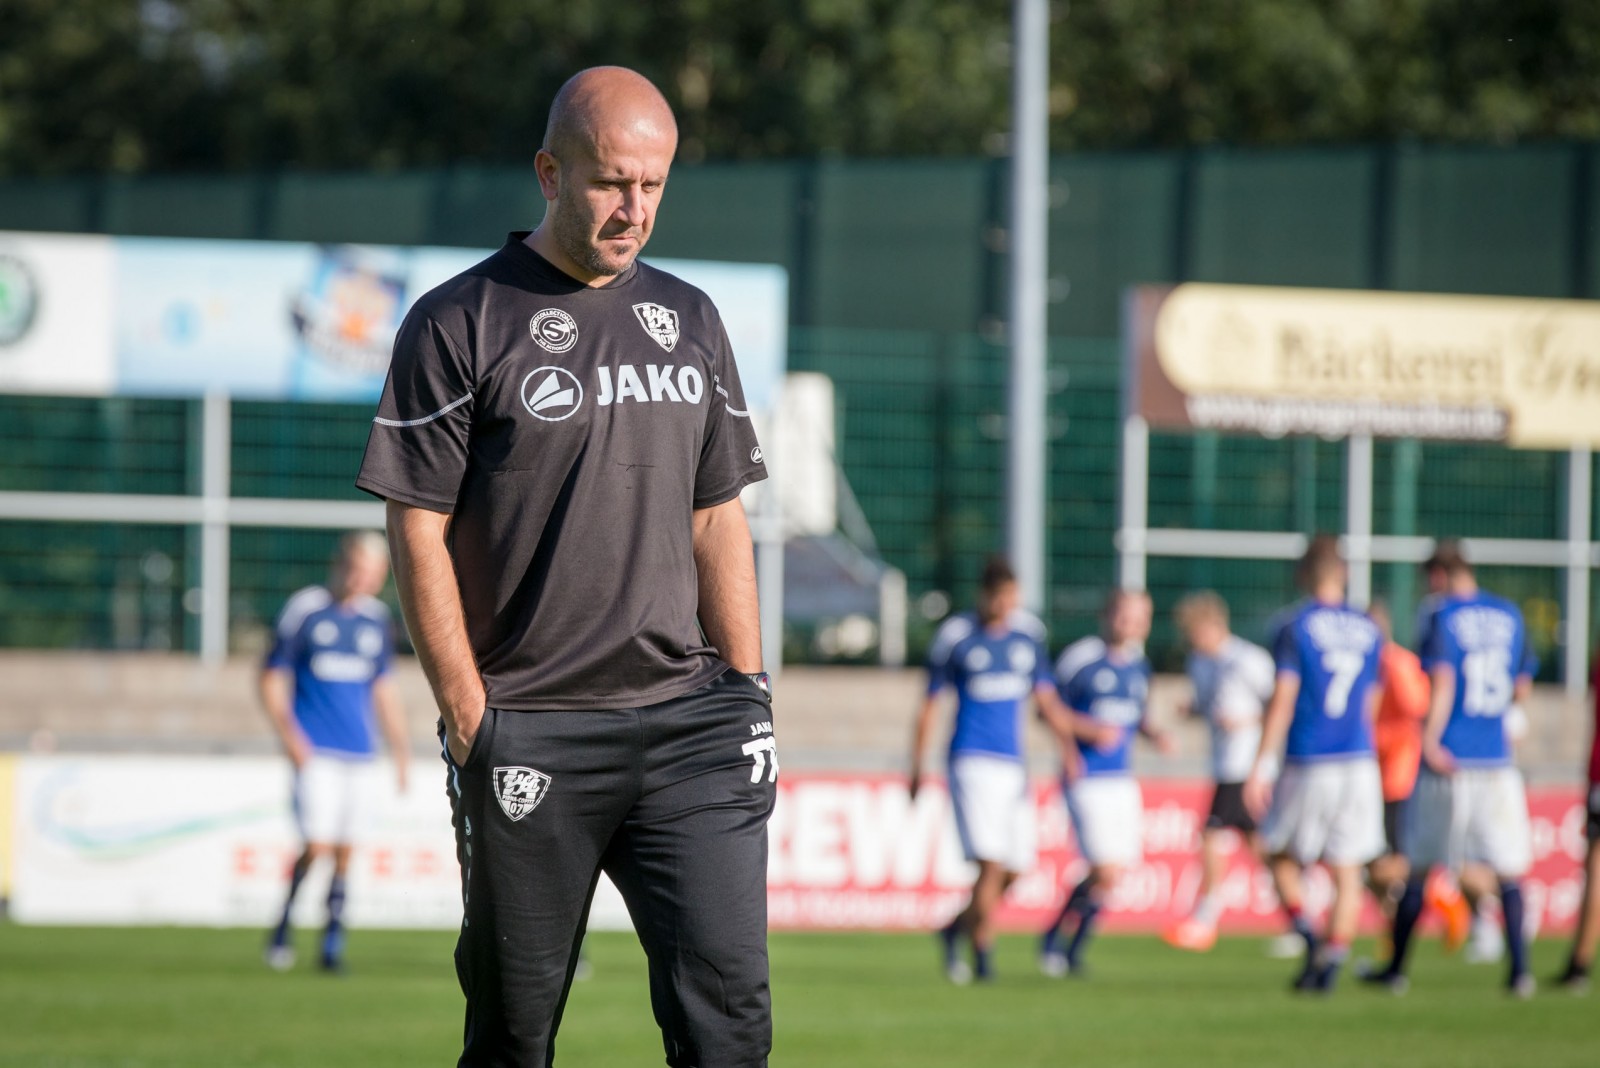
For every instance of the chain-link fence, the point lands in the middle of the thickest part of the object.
(897, 291)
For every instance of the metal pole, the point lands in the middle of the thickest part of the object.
(1133, 538)
(1358, 517)
(1580, 502)
(216, 441)
(1030, 176)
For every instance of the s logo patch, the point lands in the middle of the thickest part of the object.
(553, 329)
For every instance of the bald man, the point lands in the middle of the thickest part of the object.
(562, 442)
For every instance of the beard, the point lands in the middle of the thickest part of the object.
(573, 236)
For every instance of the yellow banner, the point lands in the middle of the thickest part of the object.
(1280, 360)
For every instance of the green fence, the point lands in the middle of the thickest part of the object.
(898, 286)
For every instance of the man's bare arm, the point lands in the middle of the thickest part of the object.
(276, 687)
(1274, 729)
(431, 602)
(724, 559)
(392, 718)
(921, 731)
(1441, 701)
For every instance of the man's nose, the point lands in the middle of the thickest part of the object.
(633, 206)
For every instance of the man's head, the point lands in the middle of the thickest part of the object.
(1447, 569)
(1321, 571)
(607, 149)
(998, 592)
(1127, 617)
(360, 565)
(1203, 618)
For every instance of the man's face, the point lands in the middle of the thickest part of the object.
(1002, 601)
(1130, 619)
(362, 573)
(1206, 635)
(603, 204)
(1437, 578)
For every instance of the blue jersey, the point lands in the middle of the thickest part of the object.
(335, 653)
(1097, 682)
(1483, 640)
(993, 673)
(1333, 650)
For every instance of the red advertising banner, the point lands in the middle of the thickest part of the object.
(856, 852)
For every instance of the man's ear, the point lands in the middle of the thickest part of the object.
(548, 168)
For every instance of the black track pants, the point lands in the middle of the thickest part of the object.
(671, 801)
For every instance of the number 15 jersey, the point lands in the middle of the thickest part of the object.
(1483, 640)
(1333, 650)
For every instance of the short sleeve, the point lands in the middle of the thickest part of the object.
(287, 640)
(939, 674)
(1437, 646)
(1528, 665)
(1075, 689)
(417, 446)
(1286, 651)
(385, 654)
(1042, 675)
(730, 455)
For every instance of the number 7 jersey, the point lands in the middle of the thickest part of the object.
(1333, 650)
(1481, 638)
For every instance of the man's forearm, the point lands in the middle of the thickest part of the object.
(431, 602)
(724, 559)
(1441, 700)
(1275, 724)
(392, 716)
(275, 689)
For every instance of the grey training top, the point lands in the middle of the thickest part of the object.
(571, 432)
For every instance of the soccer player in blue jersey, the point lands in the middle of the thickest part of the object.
(326, 688)
(1106, 681)
(1328, 801)
(1469, 805)
(995, 660)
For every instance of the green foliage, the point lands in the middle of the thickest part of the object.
(171, 85)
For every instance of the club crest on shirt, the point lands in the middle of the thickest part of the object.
(519, 790)
(660, 323)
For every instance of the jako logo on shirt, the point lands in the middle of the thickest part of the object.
(553, 329)
(519, 790)
(660, 323)
(666, 382)
(551, 393)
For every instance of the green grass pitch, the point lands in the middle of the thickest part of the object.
(131, 998)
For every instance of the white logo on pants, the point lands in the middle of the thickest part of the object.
(759, 749)
(519, 790)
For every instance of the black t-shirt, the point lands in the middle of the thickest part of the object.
(571, 432)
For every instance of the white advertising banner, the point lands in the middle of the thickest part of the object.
(275, 320)
(208, 841)
(56, 305)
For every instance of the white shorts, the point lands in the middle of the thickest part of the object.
(1476, 816)
(1107, 818)
(994, 810)
(1332, 811)
(330, 798)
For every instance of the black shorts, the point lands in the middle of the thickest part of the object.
(1228, 811)
(671, 801)
(1394, 826)
(1594, 812)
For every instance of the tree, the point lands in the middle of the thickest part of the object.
(138, 85)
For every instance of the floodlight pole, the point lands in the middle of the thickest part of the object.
(1027, 328)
